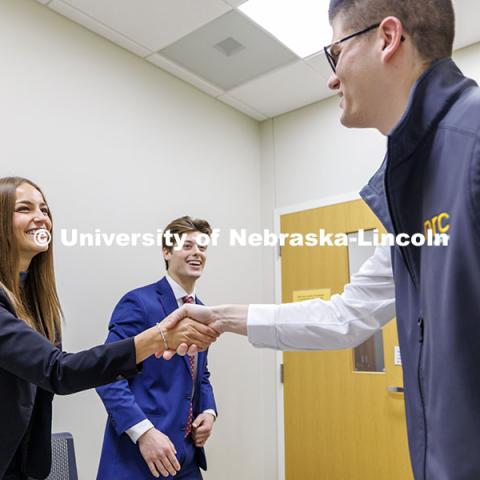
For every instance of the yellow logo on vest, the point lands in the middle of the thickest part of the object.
(438, 224)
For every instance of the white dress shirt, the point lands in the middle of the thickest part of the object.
(345, 321)
(140, 428)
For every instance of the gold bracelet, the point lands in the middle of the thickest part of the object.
(164, 336)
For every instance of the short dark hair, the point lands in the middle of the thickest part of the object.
(183, 225)
(430, 23)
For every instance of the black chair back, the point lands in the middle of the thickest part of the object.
(64, 465)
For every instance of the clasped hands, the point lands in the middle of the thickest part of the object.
(190, 329)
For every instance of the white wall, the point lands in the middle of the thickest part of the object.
(316, 157)
(119, 145)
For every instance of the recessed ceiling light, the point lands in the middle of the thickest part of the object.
(301, 25)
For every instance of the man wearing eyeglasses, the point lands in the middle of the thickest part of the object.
(393, 71)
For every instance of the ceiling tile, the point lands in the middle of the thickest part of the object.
(283, 90)
(152, 23)
(97, 27)
(185, 75)
(257, 52)
(235, 3)
(320, 64)
(242, 107)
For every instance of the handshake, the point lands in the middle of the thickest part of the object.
(190, 329)
(193, 328)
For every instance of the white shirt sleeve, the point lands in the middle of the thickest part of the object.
(139, 429)
(345, 321)
(211, 412)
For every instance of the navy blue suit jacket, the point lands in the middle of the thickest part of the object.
(161, 393)
(31, 371)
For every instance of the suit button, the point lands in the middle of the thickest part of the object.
(182, 428)
(188, 397)
(120, 377)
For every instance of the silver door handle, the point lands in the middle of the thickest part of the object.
(396, 389)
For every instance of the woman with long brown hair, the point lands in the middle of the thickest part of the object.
(32, 366)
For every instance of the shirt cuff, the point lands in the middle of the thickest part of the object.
(139, 429)
(211, 412)
(261, 328)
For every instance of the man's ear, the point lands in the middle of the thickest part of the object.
(391, 31)
(167, 254)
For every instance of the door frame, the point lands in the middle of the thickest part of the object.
(277, 213)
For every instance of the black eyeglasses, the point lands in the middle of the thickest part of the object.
(332, 55)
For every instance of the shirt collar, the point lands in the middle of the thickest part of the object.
(178, 290)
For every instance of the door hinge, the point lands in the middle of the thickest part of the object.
(282, 373)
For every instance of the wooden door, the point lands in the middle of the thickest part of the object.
(340, 424)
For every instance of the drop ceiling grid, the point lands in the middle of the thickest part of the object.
(261, 53)
(254, 96)
(152, 23)
(285, 89)
(98, 27)
(234, 3)
(184, 74)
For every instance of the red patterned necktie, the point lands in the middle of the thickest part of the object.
(191, 361)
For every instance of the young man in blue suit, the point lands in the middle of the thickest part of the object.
(158, 423)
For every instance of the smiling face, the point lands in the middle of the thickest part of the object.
(31, 222)
(358, 75)
(375, 72)
(186, 265)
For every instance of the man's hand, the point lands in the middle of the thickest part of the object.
(190, 332)
(202, 428)
(201, 314)
(221, 319)
(159, 453)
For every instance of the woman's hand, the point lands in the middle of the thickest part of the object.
(189, 332)
(169, 335)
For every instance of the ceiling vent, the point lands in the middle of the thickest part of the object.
(229, 46)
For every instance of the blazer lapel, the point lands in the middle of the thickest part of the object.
(167, 298)
(169, 304)
(199, 359)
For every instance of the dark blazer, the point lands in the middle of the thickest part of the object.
(161, 393)
(32, 370)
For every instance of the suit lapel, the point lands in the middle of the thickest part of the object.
(167, 298)
(169, 304)
(200, 355)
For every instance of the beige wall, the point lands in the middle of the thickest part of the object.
(316, 157)
(119, 145)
